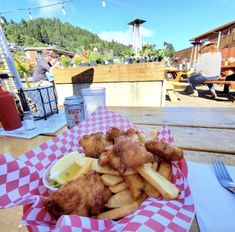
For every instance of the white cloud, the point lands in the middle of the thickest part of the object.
(124, 37)
(51, 11)
(146, 32)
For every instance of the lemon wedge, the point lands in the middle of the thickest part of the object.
(69, 167)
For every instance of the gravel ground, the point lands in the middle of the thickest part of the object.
(204, 99)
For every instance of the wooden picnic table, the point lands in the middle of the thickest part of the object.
(228, 67)
(177, 73)
(203, 133)
(179, 83)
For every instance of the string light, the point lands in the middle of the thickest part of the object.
(63, 9)
(30, 15)
(38, 7)
(103, 3)
(1, 20)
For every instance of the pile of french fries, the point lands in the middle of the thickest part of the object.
(130, 190)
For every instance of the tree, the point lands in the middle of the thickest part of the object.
(52, 32)
(170, 51)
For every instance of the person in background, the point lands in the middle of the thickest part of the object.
(55, 64)
(208, 68)
(230, 77)
(43, 66)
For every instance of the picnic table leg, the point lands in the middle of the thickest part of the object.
(171, 92)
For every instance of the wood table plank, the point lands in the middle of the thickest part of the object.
(212, 117)
(208, 157)
(200, 139)
(18, 146)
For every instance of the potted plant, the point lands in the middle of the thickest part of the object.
(65, 61)
(77, 60)
(159, 54)
(108, 59)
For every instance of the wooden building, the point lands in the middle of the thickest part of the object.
(225, 34)
(35, 53)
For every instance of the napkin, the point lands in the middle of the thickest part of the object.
(214, 205)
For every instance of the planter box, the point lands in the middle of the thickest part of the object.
(126, 84)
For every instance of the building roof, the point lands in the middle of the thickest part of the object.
(215, 30)
(49, 48)
(136, 21)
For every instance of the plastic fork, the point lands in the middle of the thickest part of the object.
(223, 176)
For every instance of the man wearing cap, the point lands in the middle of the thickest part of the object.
(43, 66)
(208, 68)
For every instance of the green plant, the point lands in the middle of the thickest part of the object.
(2, 68)
(161, 53)
(107, 56)
(96, 56)
(77, 60)
(65, 61)
(170, 51)
(22, 63)
(148, 51)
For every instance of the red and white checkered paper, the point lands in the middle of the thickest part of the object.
(21, 184)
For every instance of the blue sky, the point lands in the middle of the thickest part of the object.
(166, 20)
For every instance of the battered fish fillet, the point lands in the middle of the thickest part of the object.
(85, 196)
(116, 134)
(125, 154)
(164, 150)
(94, 144)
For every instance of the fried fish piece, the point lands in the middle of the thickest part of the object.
(110, 159)
(85, 196)
(125, 154)
(94, 144)
(116, 134)
(164, 150)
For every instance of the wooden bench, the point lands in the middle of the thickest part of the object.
(222, 82)
(218, 82)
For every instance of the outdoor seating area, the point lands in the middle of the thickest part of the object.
(190, 126)
(112, 126)
(179, 81)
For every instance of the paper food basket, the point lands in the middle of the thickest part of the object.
(21, 184)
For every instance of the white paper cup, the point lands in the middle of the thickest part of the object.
(93, 98)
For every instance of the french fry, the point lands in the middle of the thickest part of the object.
(136, 184)
(152, 134)
(155, 166)
(119, 199)
(150, 190)
(168, 190)
(165, 170)
(106, 170)
(141, 199)
(118, 187)
(119, 212)
(110, 180)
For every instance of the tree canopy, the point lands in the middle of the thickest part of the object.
(52, 32)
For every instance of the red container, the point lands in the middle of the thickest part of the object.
(9, 115)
